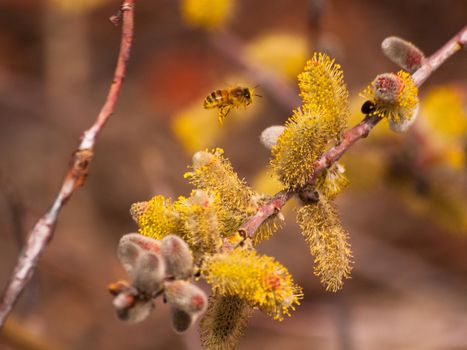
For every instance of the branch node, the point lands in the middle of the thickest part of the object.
(79, 166)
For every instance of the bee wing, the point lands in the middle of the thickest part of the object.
(223, 111)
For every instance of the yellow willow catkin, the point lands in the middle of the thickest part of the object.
(328, 242)
(301, 143)
(267, 229)
(322, 88)
(224, 322)
(395, 96)
(259, 280)
(318, 122)
(332, 181)
(211, 171)
(156, 218)
(201, 226)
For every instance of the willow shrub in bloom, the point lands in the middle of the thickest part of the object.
(198, 237)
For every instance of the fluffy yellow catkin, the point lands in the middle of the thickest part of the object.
(319, 121)
(224, 322)
(328, 243)
(201, 216)
(332, 181)
(323, 91)
(395, 96)
(259, 280)
(212, 172)
(301, 143)
(156, 218)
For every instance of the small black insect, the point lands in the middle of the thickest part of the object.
(368, 107)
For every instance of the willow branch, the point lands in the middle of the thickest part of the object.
(75, 176)
(351, 136)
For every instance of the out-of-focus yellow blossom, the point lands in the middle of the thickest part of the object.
(283, 53)
(196, 128)
(208, 14)
(77, 6)
(443, 111)
(445, 120)
(265, 182)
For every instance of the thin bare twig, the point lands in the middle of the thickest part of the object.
(361, 130)
(76, 174)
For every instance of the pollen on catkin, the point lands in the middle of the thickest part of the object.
(323, 91)
(259, 280)
(202, 217)
(403, 53)
(156, 218)
(268, 228)
(395, 97)
(216, 173)
(302, 142)
(332, 181)
(328, 243)
(317, 123)
(212, 172)
(224, 322)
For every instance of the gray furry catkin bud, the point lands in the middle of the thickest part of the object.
(136, 313)
(130, 249)
(388, 87)
(177, 256)
(149, 274)
(403, 53)
(186, 297)
(270, 135)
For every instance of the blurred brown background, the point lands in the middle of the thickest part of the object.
(409, 285)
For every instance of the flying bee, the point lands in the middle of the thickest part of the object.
(226, 99)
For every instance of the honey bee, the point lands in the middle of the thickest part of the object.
(368, 107)
(226, 99)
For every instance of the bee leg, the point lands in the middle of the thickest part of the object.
(223, 111)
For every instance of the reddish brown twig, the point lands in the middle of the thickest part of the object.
(351, 136)
(77, 172)
(437, 59)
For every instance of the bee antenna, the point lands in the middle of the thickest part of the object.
(257, 86)
(258, 95)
